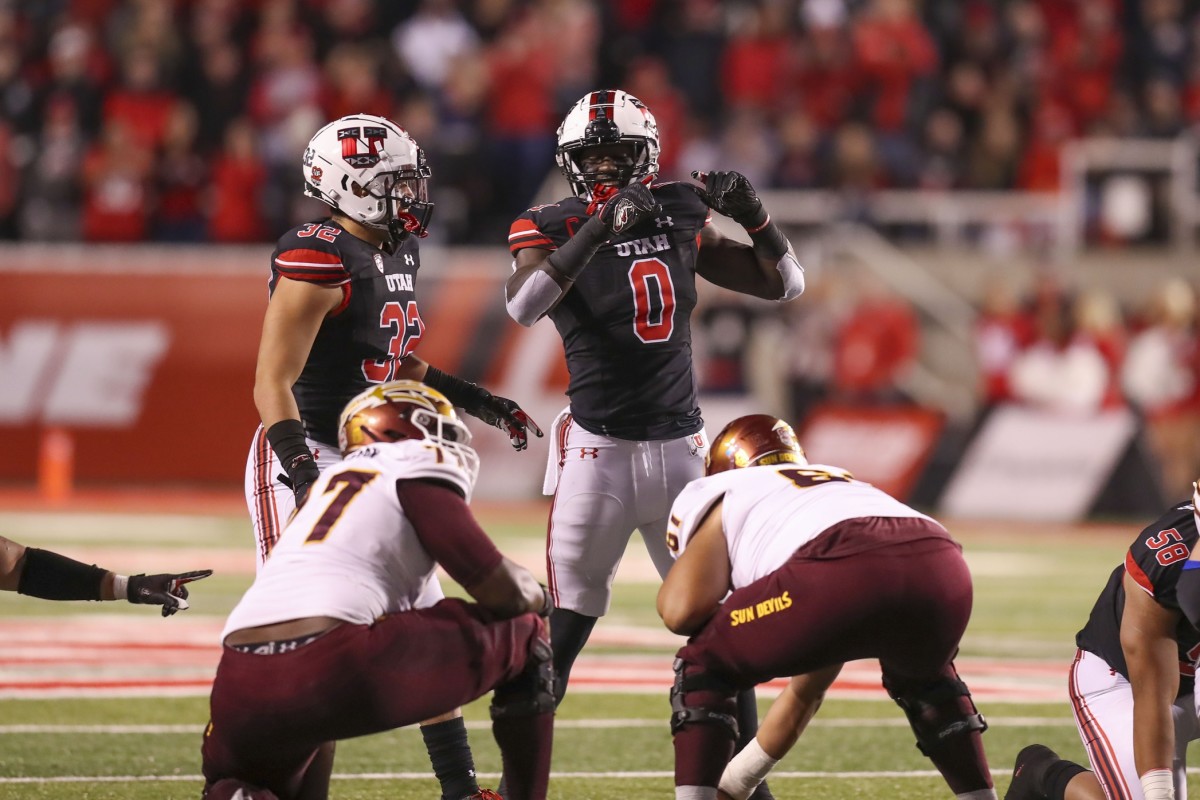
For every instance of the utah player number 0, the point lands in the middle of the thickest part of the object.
(653, 300)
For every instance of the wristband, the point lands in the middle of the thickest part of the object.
(577, 252)
(769, 242)
(547, 602)
(290, 444)
(51, 576)
(1158, 784)
(120, 587)
(464, 394)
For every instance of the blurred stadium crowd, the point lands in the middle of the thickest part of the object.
(183, 120)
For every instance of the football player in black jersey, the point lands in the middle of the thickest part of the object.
(343, 316)
(614, 266)
(1132, 684)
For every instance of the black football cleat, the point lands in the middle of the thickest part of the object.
(1027, 774)
(761, 792)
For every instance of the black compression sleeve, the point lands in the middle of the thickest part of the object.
(769, 242)
(288, 442)
(53, 577)
(463, 394)
(576, 252)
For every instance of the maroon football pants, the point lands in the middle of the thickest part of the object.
(270, 713)
(906, 604)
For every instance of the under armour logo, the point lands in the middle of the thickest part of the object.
(409, 260)
(589, 452)
(664, 222)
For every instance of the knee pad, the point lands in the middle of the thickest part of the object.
(531, 692)
(938, 712)
(709, 700)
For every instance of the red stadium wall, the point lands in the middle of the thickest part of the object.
(150, 374)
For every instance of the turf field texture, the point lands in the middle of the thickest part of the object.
(109, 701)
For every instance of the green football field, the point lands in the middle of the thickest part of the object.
(109, 701)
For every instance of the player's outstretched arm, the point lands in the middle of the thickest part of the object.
(541, 277)
(769, 269)
(499, 412)
(50, 576)
(1151, 651)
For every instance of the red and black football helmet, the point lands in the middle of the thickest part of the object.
(753, 440)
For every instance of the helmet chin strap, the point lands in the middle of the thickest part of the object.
(601, 194)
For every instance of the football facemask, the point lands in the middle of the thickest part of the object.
(372, 171)
(604, 119)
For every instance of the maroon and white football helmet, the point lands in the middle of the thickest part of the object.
(400, 410)
(757, 439)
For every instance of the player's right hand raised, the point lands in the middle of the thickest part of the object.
(628, 207)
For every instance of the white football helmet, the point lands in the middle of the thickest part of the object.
(371, 170)
(391, 412)
(606, 117)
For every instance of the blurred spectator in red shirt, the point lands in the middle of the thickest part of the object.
(235, 205)
(1002, 330)
(181, 178)
(650, 82)
(117, 175)
(876, 346)
(1161, 377)
(826, 80)
(1084, 54)
(353, 83)
(755, 59)
(140, 104)
(1040, 170)
(1098, 320)
(894, 51)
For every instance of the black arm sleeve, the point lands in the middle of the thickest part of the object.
(51, 576)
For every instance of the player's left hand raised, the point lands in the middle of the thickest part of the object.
(502, 413)
(166, 590)
(731, 194)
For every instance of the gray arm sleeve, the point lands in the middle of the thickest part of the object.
(537, 295)
(793, 275)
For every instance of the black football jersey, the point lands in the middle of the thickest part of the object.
(364, 340)
(1155, 560)
(626, 323)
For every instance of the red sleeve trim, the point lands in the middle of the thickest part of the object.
(312, 266)
(1139, 576)
(758, 228)
(448, 530)
(347, 291)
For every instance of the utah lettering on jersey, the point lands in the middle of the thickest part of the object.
(644, 246)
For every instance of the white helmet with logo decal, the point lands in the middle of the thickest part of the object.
(606, 117)
(371, 170)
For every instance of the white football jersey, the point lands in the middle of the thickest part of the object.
(351, 553)
(770, 511)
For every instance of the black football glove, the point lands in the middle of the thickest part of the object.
(167, 591)
(730, 194)
(502, 413)
(302, 473)
(627, 208)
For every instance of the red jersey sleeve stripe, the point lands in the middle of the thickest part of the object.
(1138, 575)
(312, 266)
(543, 242)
